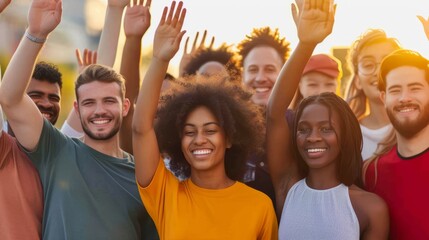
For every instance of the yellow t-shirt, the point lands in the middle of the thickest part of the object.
(182, 210)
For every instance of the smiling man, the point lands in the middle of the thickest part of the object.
(45, 91)
(400, 171)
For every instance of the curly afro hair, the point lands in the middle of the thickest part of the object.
(263, 36)
(241, 120)
(224, 55)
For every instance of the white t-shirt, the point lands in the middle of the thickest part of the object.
(371, 137)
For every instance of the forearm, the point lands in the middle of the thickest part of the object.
(19, 72)
(109, 36)
(147, 101)
(287, 81)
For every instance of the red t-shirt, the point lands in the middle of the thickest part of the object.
(21, 196)
(404, 184)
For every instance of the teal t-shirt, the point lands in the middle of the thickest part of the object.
(87, 194)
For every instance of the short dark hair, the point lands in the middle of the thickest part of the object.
(349, 163)
(241, 120)
(48, 72)
(398, 58)
(101, 73)
(264, 37)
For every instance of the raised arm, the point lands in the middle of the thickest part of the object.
(23, 115)
(3, 4)
(314, 23)
(187, 56)
(110, 34)
(136, 23)
(166, 43)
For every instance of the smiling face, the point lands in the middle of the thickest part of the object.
(47, 97)
(372, 54)
(316, 137)
(260, 70)
(314, 83)
(204, 142)
(101, 109)
(407, 100)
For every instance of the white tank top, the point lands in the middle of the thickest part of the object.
(318, 214)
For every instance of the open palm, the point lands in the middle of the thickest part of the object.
(44, 16)
(316, 20)
(169, 32)
(137, 19)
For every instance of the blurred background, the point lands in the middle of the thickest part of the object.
(228, 20)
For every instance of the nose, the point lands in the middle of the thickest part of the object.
(200, 139)
(44, 102)
(99, 108)
(260, 76)
(405, 97)
(313, 136)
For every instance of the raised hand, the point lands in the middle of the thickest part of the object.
(169, 32)
(89, 57)
(187, 56)
(425, 24)
(43, 17)
(3, 4)
(137, 18)
(315, 21)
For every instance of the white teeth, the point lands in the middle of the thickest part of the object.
(201, 151)
(406, 110)
(100, 121)
(262, 90)
(314, 150)
(45, 115)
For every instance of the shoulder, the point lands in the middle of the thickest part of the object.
(251, 194)
(370, 208)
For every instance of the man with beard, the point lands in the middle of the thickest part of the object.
(399, 172)
(89, 186)
(45, 91)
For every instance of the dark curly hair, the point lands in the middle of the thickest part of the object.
(224, 55)
(264, 36)
(48, 72)
(241, 120)
(349, 163)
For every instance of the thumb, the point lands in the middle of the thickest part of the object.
(295, 14)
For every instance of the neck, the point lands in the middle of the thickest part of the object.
(109, 147)
(408, 147)
(211, 180)
(323, 178)
(377, 117)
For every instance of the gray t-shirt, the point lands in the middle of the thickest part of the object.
(87, 194)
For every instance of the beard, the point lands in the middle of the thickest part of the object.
(104, 136)
(409, 128)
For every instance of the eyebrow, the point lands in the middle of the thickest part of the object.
(205, 124)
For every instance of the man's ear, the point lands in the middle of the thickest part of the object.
(126, 107)
(383, 97)
(76, 108)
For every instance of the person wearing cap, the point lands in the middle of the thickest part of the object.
(321, 74)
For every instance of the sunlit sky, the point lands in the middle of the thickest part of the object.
(230, 20)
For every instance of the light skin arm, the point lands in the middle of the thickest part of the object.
(110, 34)
(166, 44)
(187, 56)
(4, 4)
(314, 24)
(136, 23)
(89, 57)
(23, 115)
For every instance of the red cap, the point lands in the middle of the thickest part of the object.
(325, 64)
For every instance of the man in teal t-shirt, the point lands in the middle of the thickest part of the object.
(89, 186)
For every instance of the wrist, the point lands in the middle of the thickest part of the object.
(36, 38)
